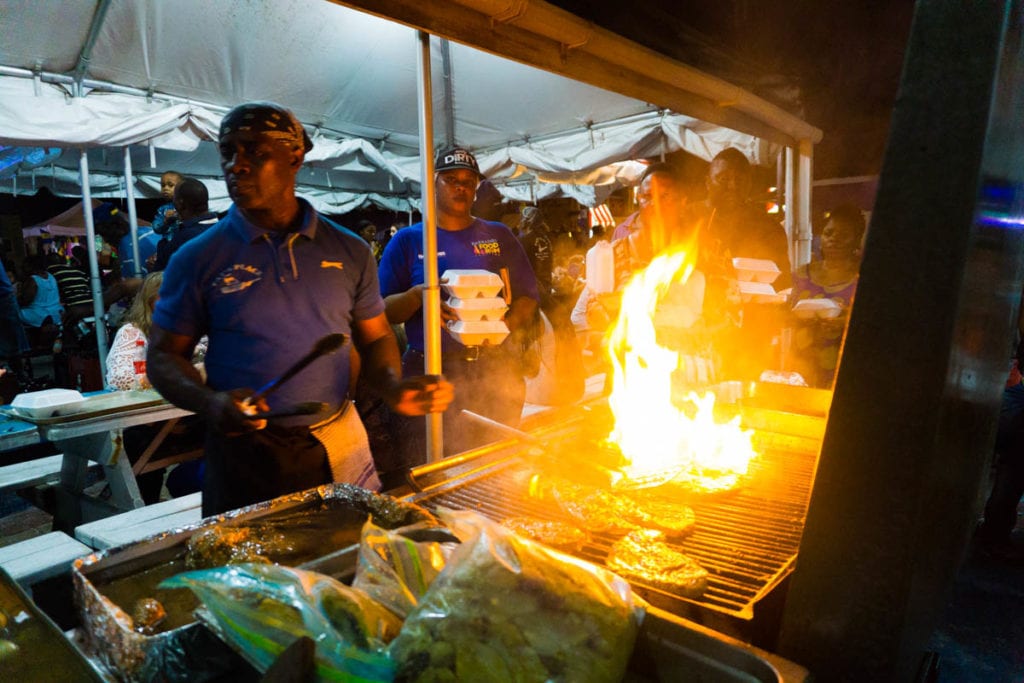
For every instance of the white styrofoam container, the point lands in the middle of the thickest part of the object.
(755, 269)
(483, 308)
(759, 293)
(477, 333)
(46, 403)
(817, 308)
(471, 284)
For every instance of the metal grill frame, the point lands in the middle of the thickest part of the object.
(748, 540)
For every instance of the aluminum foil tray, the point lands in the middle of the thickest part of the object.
(190, 652)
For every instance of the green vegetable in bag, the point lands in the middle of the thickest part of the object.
(397, 567)
(260, 609)
(507, 609)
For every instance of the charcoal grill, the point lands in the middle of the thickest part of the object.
(747, 539)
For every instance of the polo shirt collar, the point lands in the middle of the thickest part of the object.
(251, 232)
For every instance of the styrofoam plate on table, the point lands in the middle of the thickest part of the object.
(483, 308)
(755, 270)
(46, 403)
(95, 405)
(478, 333)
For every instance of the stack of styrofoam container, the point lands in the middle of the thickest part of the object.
(755, 278)
(473, 294)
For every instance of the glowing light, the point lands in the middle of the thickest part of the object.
(662, 439)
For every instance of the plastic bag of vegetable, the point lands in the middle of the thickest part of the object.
(397, 567)
(507, 609)
(260, 609)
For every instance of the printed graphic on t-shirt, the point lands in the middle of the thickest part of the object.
(237, 278)
(542, 250)
(489, 247)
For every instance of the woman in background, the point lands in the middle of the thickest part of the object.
(126, 371)
(816, 340)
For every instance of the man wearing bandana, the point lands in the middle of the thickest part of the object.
(264, 284)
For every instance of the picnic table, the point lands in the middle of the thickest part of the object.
(91, 433)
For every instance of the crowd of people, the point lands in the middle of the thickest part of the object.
(248, 293)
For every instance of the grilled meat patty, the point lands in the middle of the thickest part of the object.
(644, 556)
(596, 510)
(654, 512)
(620, 512)
(552, 532)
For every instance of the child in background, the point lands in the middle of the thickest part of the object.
(166, 217)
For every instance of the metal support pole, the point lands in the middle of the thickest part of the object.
(431, 290)
(803, 213)
(133, 219)
(94, 265)
(790, 206)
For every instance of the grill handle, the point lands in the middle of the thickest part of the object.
(500, 426)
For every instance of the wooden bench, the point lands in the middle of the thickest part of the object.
(140, 523)
(41, 557)
(30, 473)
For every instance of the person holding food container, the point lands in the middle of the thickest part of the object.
(822, 295)
(265, 283)
(488, 373)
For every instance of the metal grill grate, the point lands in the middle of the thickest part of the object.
(746, 539)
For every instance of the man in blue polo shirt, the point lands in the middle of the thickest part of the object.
(264, 284)
(489, 379)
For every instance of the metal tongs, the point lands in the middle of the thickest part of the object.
(325, 345)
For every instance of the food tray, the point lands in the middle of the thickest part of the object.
(471, 284)
(97, 405)
(755, 270)
(817, 308)
(469, 333)
(46, 403)
(190, 652)
(760, 293)
(482, 308)
(43, 654)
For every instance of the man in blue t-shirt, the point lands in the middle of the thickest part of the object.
(264, 284)
(488, 379)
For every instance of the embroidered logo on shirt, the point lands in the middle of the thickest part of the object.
(489, 247)
(439, 255)
(237, 278)
(331, 264)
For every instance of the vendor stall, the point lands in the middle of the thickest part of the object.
(835, 535)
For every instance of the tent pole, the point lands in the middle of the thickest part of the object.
(133, 219)
(431, 290)
(94, 266)
(790, 206)
(449, 98)
(803, 236)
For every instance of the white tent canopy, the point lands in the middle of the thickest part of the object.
(154, 75)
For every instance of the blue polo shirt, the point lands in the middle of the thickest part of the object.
(483, 245)
(264, 298)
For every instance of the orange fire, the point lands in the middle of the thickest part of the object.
(662, 441)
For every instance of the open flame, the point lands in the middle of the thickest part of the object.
(660, 440)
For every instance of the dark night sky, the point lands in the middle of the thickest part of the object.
(845, 57)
